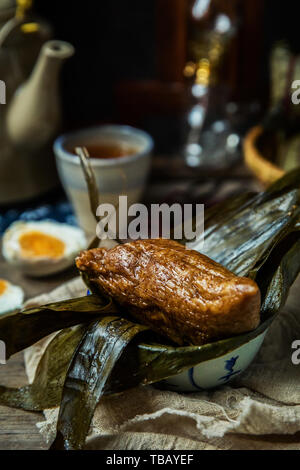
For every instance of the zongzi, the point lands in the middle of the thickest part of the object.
(178, 292)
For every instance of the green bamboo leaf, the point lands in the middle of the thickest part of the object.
(90, 179)
(279, 273)
(146, 363)
(242, 238)
(221, 212)
(46, 389)
(93, 191)
(22, 329)
(90, 369)
(92, 187)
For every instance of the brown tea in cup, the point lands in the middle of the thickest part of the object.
(110, 150)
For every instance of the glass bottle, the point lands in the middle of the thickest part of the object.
(209, 34)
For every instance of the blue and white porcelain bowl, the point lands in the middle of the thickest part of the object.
(217, 371)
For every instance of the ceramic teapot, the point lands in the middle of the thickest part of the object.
(31, 116)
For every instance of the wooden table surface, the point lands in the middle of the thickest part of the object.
(18, 429)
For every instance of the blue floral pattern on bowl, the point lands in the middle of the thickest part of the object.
(218, 371)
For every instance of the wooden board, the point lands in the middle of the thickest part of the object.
(18, 429)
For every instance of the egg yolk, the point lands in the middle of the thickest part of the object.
(38, 244)
(3, 285)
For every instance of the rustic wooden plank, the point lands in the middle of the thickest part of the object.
(18, 429)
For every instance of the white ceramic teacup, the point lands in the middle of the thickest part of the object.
(124, 175)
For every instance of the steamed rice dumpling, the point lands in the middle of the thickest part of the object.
(177, 292)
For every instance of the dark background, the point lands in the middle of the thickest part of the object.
(113, 40)
(117, 40)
